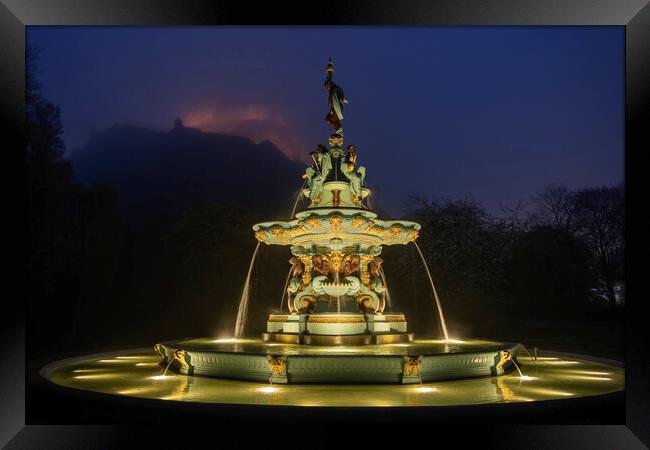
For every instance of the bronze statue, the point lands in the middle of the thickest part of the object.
(350, 265)
(335, 100)
(322, 265)
(297, 268)
(375, 266)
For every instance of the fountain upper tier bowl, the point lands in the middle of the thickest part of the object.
(336, 228)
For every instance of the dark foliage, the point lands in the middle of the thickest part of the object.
(549, 274)
(74, 232)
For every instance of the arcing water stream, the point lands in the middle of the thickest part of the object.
(386, 292)
(435, 294)
(245, 294)
(286, 284)
(295, 203)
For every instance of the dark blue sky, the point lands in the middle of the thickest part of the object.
(496, 112)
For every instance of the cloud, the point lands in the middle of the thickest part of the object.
(258, 122)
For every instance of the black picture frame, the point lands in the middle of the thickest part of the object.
(634, 15)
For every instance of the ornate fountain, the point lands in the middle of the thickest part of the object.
(336, 330)
(336, 293)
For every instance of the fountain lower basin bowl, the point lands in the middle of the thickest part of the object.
(559, 379)
(422, 360)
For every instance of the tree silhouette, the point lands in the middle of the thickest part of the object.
(73, 230)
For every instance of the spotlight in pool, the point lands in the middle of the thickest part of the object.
(268, 390)
(425, 389)
(526, 378)
(159, 377)
(96, 376)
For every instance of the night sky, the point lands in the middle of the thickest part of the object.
(494, 112)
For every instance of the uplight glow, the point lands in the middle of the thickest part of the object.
(159, 377)
(425, 389)
(526, 378)
(95, 376)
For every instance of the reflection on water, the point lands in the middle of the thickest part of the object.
(545, 379)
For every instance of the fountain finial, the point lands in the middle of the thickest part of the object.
(330, 67)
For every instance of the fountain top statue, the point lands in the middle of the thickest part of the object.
(336, 241)
(333, 179)
(335, 101)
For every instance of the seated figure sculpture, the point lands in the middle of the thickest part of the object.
(355, 175)
(316, 174)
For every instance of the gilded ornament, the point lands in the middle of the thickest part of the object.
(277, 231)
(313, 221)
(396, 229)
(358, 221)
(307, 261)
(395, 319)
(336, 220)
(365, 304)
(412, 365)
(365, 274)
(332, 319)
(180, 356)
(278, 365)
(412, 235)
(504, 357)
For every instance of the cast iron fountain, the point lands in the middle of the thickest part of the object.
(337, 329)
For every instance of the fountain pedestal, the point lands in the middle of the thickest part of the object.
(333, 328)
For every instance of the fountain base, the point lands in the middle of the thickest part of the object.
(329, 339)
(414, 361)
(334, 328)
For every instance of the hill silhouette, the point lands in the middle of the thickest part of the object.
(158, 175)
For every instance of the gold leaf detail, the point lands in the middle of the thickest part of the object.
(358, 221)
(412, 365)
(278, 365)
(336, 221)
